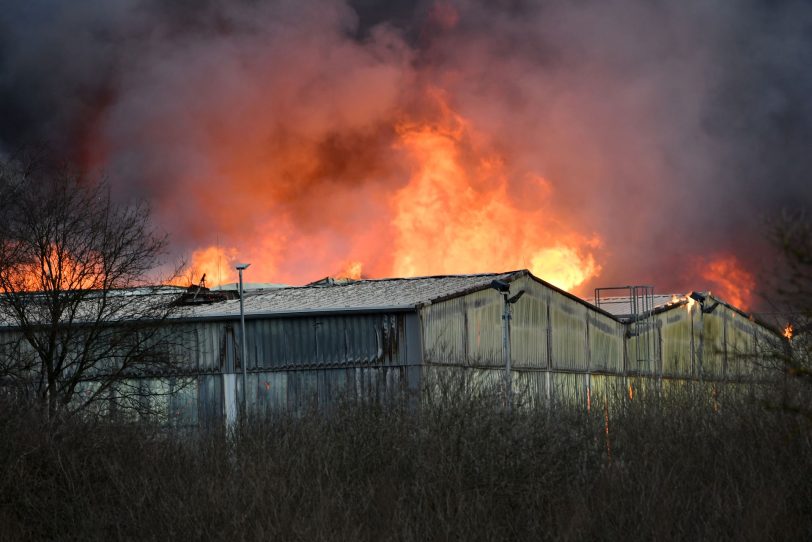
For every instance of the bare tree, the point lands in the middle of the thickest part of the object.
(791, 235)
(79, 323)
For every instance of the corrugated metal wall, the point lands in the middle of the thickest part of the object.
(606, 344)
(548, 331)
(718, 345)
(293, 363)
(302, 361)
(560, 349)
(300, 342)
(713, 345)
(563, 349)
(675, 343)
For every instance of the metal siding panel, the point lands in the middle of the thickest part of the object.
(298, 338)
(207, 351)
(279, 391)
(271, 344)
(483, 328)
(262, 345)
(325, 341)
(713, 344)
(210, 399)
(334, 337)
(641, 366)
(364, 340)
(528, 339)
(569, 333)
(281, 347)
(292, 357)
(444, 332)
(183, 401)
(351, 336)
(676, 328)
(606, 338)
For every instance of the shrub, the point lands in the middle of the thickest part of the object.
(459, 468)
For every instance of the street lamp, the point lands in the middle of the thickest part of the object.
(240, 268)
(504, 288)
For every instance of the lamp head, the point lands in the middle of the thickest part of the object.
(242, 266)
(516, 297)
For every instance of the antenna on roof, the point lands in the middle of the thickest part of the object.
(200, 286)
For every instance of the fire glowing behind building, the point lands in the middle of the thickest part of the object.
(373, 139)
(453, 215)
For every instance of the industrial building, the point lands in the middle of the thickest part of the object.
(375, 338)
(371, 338)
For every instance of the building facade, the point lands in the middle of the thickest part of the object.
(315, 344)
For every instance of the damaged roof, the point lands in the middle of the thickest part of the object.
(360, 295)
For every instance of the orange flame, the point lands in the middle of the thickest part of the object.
(454, 210)
(457, 217)
(55, 270)
(736, 285)
(216, 263)
(788, 332)
(352, 270)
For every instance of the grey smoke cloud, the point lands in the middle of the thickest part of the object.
(668, 128)
(674, 126)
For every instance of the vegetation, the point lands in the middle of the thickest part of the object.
(69, 260)
(791, 235)
(457, 467)
(462, 469)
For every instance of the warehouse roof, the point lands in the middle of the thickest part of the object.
(360, 295)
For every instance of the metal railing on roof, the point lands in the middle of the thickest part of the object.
(635, 304)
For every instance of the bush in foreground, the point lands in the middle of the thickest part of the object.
(458, 470)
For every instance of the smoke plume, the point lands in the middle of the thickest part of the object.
(595, 142)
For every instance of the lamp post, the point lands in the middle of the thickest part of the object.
(504, 288)
(240, 268)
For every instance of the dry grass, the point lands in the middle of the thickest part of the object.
(460, 469)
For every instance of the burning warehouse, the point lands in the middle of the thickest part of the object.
(433, 138)
(374, 338)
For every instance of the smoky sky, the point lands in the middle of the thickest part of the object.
(672, 130)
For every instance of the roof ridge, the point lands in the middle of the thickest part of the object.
(393, 292)
(388, 279)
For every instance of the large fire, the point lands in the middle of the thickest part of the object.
(320, 149)
(454, 215)
(372, 139)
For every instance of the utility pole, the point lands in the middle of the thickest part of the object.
(504, 288)
(240, 268)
